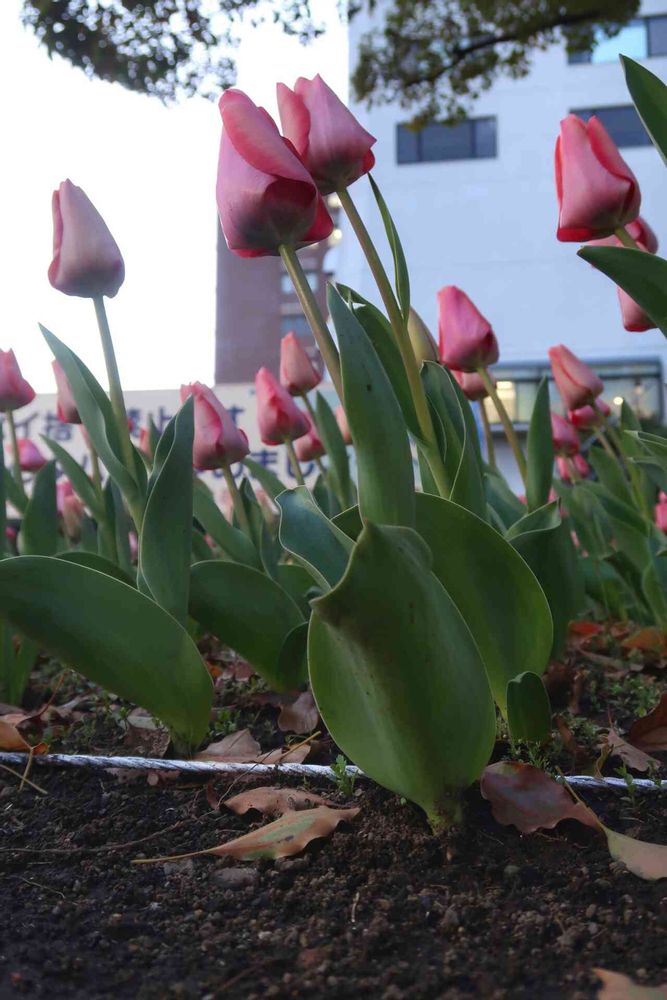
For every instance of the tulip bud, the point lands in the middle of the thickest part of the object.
(217, 439)
(423, 344)
(467, 341)
(30, 457)
(15, 392)
(587, 417)
(564, 436)
(278, 416)
(580, 464)
(70, 508)
(265, 195)
(597, 191)
(86, 259)
(297, 373)
(309, 447)
(343, 425)
(326, 135)
(471, 384)
(65, 405)
(661, 516)
(576, 382)
(145, 443)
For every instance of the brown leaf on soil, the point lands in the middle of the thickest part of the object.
(648, 861)
(648, 640)
(650, 732)
(274, 801)
(579, 632)
(11, 740)
(616, 986)
(300, 717)
(629, 754)
(285, 836)
(243, 748)
(529, 799)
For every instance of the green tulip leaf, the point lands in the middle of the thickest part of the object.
(235, 545)
(77, 476)
(401, 275)
(642, 275)
(293, 658)
(649, 94)
(540, 450)
(528, 709)
(314, 541)
(338, 472)
(384, 460)
(248, 611)
(610, 474)
(39, 528)
(499, 497)
(397, 676)
(94, 561)
(268, 480)
(113, 635)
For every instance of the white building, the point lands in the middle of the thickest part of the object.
(475, 206)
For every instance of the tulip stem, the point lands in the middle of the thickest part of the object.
(600, 435)
(294, 462)
(400, 330)
(237, 501)
(625, 238)
(311, 410)
(313, 314)
(508, 427)
(115, 388)
(16, 460)
(488, 435)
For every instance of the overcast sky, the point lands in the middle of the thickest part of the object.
(150, 171)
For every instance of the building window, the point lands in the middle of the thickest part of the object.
(287, 288)
(638, 383)
(295, 323)
(622, 122)
(474, 139)
(639, 39)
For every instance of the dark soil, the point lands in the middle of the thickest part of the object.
(380, 909)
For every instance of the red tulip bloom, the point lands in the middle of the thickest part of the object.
(587, 417)
(343, 425)
(86, 259)
(472, 385)
(326, 135)
(65, 405)
(278, 416)
(576, 382)
(30, 457)
(309, 447)
(217, 439)
(597, 191)
(15, 392)
(297, 373)
(564, 436)
(467, 341)
(266, 197)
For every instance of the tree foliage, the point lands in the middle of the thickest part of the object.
(432, 56)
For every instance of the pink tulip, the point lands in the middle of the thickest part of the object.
(11, 534)
(580, 464)
(86, 259)
(217, 441)
(472, 385)
(30, 457)
(309, 447)
(70, 508)
(326, 135)
(278, 416)
(65, 405)
(587, 417)
(635, 320)
(597, 191)
(343, 425)
(145, 443)
(266, 197)
(467, 341)
(576, 382)
(297, 373)
(564, 436)
(134, 546)
(661, 516)
(15, 392)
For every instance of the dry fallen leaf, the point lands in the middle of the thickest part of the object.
(301, 716)
(650, 732)
(629, 754)
(285, 836)
(274, 801)
(649, 640)
(243, 748)
(526, 797)
(529, 799)
(144, 735)
(616, 986)
(11, 739)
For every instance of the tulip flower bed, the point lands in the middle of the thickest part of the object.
(417, 619)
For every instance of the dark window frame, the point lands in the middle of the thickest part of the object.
(474, 154)
(586, 58)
